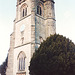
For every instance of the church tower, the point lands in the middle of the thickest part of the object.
(35, 21)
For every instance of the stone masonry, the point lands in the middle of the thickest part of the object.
(35, 21)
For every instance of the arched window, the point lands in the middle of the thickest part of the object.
(23, 10)
(21, 61)
(40, 9)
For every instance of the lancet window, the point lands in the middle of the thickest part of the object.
(40, 9)
(23, 10)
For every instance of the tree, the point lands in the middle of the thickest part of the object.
(0, 68)
(55, 56)
(3, 67)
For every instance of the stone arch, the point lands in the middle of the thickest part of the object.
(40, 9)
(21, 61)
(23, 10)
(21, 53)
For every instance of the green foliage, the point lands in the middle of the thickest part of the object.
(3, 67)
(0, 68)
(56, 56)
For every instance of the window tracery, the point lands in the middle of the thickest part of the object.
(21, 61)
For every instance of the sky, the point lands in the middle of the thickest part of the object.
(65, 22)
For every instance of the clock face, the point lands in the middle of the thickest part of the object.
(22, 27)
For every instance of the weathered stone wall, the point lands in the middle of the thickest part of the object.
(33, 9)
(27, 50)
(37, 29)
(18, 9)
(25, 34)
(9, 70)
(49, 14)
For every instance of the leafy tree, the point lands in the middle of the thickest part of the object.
(0, 68)
(3, 67)
(55, 56)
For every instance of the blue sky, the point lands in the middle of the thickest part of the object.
(65, 18)
(65, 22)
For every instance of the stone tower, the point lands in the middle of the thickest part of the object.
(35, 21)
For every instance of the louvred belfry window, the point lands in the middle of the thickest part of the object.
(40, 9)
(23, 10)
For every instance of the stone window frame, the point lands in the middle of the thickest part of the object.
(21, 61)
(23, 10)
(40, 9)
